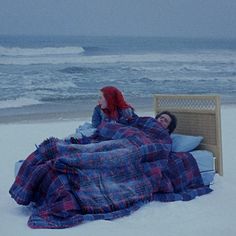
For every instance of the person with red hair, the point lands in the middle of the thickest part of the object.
(112, 107)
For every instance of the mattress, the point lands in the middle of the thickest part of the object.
(206, 164)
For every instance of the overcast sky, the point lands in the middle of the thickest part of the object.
(181, 18)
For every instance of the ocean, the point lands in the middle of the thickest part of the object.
(60, 76)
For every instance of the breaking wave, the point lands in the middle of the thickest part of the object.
(34, 52)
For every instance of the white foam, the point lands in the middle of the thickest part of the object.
(20, 102)
(16, 51)
(61, 58)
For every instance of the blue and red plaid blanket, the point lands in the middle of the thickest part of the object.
(115, 173)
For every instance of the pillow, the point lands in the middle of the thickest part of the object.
(184, 143)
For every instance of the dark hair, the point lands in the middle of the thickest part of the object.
(173, 122)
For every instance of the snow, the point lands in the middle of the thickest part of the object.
(211, 214)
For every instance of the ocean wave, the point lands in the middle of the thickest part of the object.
(19, 102)
(95, 50)
(76, 69)
(141, 80)
(73, 58)
(34, 52)
(69, 97)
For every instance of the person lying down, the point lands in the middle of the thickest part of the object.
(115, 172)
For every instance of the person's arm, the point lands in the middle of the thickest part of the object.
(127, 115)
(96, 118)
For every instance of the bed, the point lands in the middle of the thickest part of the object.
(121, 169)
(197, 115)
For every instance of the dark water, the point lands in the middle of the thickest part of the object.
(55, 73)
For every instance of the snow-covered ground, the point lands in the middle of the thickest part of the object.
(211, 214)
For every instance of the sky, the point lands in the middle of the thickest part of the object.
(178, 18)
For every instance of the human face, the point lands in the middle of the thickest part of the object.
(102, 101)
(165, 120)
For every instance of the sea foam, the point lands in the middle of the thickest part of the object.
(20, 102)
(17, 51)
(74, 55)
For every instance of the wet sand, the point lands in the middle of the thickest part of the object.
(79, 110)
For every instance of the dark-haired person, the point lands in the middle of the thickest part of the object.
(112, 107)
(167, 120)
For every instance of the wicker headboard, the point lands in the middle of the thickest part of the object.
(196, 115)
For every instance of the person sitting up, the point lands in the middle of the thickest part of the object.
(112, 107)
(167, 120)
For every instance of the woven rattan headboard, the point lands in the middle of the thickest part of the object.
(197, 115)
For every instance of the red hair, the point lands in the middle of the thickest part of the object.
(115, 100)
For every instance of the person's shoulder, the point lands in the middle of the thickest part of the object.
(128, 112)
(97, 108)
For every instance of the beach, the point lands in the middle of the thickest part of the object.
(50, 85)
(55, 59)
(211, 214)
(59, 77)
(80, 110)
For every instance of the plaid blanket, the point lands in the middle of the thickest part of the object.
(130, 166)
